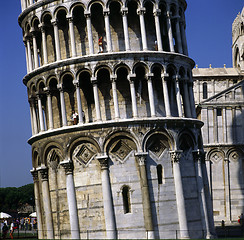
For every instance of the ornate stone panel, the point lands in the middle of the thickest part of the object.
(54, 158)
(121, 150)
(84, 154)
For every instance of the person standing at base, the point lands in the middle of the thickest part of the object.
(4, 230)
(11, 230)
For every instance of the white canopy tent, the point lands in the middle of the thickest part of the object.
(4, 215)
(33, 214)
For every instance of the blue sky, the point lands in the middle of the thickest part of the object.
(209, 42)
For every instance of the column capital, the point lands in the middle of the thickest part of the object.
(124, 11)
(164, 75)
(44, 172)
(60, 87)
(93, 80)
(70, 18)
(149, 76)
(175, 156)
(131, 77)
(142, 156)
(141, 11)
(176, 77)
(106, 12)
(34, 174)
(68, 166)
(47, 90)
(54, 22)
(76, 83)
(103, 160)
(157, 12)
(199, 155)
(32, 100)
(87, 14)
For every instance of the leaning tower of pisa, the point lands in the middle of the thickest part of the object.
(116, 146)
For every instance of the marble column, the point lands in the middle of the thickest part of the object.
(35, 50)
(62, 102)
(133, 96)
(208, 196)
(107, 199)
(183, 37)
(96, 99)
(72, 36)
(115, 98)
(141, 12)
(89, 32)
(56, 39)
(29, 53)
(80, 110)
(170, 33)
(49, 108)
(46, 202)
(33, 115)
(124, 12)
(107, 29)
(41, 117)
(198, 158)
(151, 95)
(178, 96)
(26, 55)
(178, 35)
(37, 203)
(191, 99)
(156, 14)
(146, 203)
(44, 43)
(186, 102)
(71, 198)
(227, 189)
(180, 200)
(166, 95)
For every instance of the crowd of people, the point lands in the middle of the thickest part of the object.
(23, 224)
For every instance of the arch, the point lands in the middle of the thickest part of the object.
(166, 138)
(45, 14)
(114, 135)
(80, 31)
(58, 9)
(134, 25)
(110, 1)
(121, 65)
(237, 57)
(116, 26)
(99, 67)
(74, 5)
(35, 158)
(186, 140)
(48, 147)
(150, 25)
(91, 3)
(87, 96)
(40, 85)
(80, 140)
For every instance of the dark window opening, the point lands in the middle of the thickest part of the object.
(126, 199)
(205, 90)
(160, 173)
(219, 112)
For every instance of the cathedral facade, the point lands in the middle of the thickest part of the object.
(117, 149)
(219, 97)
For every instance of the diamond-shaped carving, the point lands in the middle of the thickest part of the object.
(84, 154)
(234, 156)
(215, 157)
(121, 150)
(53, 158)
(157, 147)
